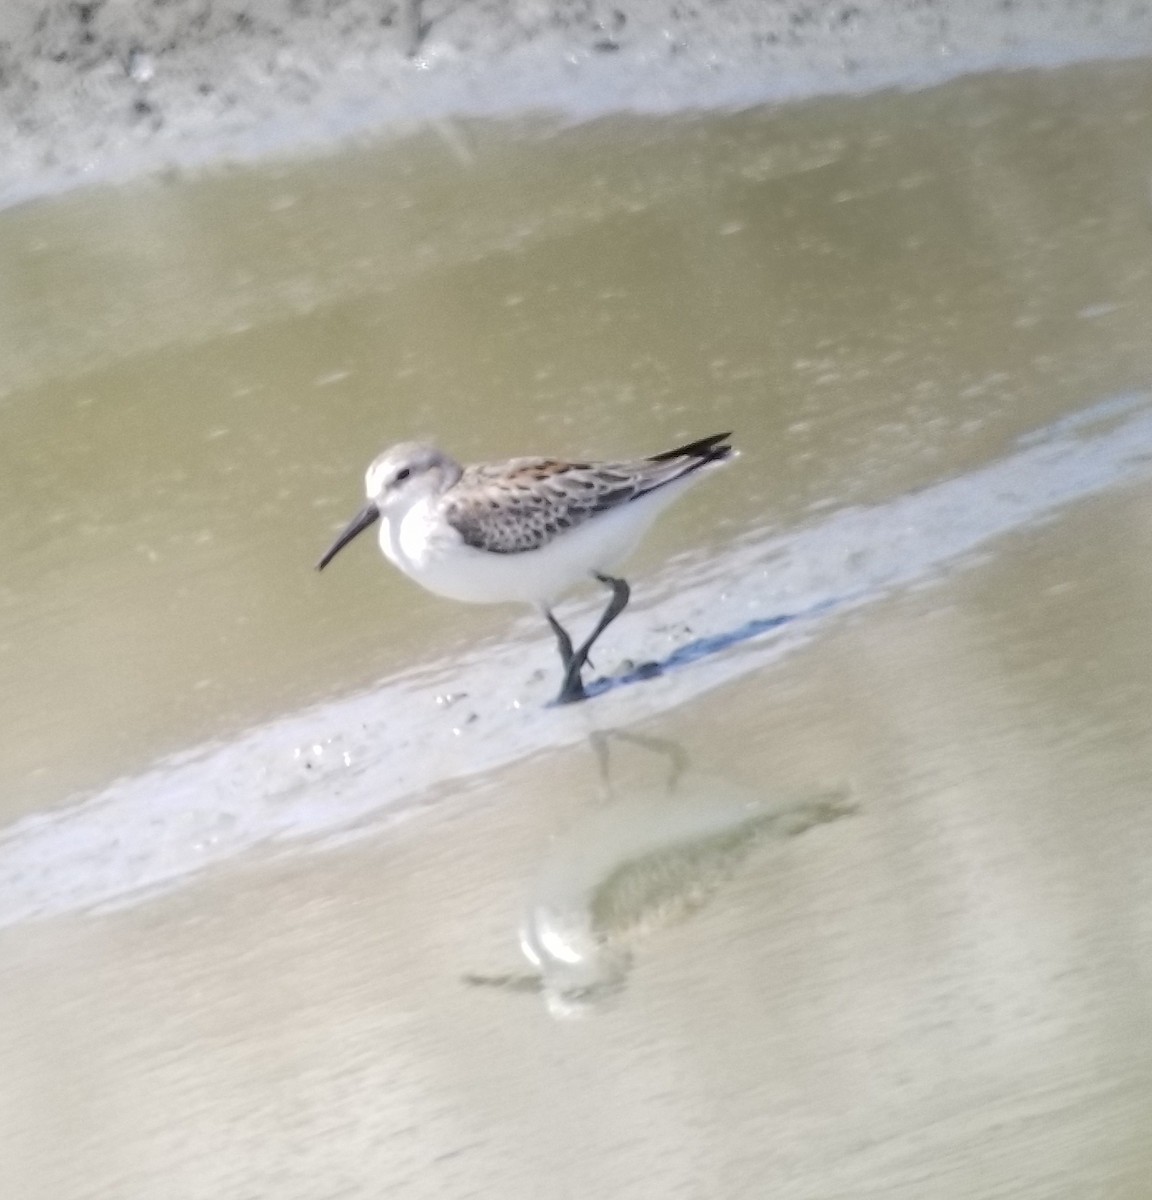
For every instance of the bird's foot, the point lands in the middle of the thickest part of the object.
(571, 693)
(572, 689)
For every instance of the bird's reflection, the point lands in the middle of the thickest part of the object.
(648, 857)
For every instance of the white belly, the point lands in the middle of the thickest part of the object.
(437, 558)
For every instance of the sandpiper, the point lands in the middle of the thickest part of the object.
(527, 529)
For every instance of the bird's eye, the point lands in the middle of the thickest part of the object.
(403, 474)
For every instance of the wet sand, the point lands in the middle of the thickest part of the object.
(109, 88)
(938, 986)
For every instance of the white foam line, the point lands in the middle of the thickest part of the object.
(340, 769)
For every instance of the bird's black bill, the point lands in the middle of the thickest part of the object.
(360, 522)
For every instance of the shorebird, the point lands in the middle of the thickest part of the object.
(526, 529)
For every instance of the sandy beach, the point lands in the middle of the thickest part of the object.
(104, 89)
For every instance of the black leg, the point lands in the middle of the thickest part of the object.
(573, 687)
(562, 640)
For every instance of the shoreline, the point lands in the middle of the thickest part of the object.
(102, 91)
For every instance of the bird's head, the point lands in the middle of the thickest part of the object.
(398, 479)
(407, 473)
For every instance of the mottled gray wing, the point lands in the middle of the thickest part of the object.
(507, 508)
(522, 505)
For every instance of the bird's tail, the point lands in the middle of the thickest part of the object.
(706, 450)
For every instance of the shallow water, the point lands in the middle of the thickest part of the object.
(889, 934)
